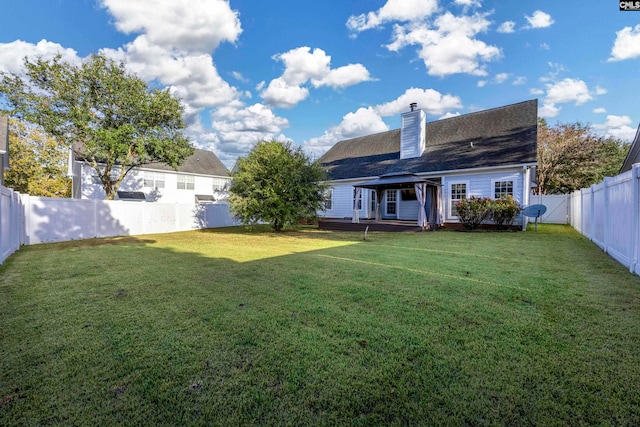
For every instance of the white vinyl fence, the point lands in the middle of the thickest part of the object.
(11, 222)
(609, 215)
(29, 220)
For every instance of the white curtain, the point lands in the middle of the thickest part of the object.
(422, 197)
(356, 197)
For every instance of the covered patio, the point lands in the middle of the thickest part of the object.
(427, 195)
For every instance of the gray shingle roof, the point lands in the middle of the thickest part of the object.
(201, 162)
(496, 137)
(633, 156)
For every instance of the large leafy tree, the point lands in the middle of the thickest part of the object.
(278, 184)
(572, 156)
(38, 163)
(109, 117)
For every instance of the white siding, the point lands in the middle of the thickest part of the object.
(342, 202)
(480, 185)
(134, 181)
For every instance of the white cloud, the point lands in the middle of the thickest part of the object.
(468, 3)
(627, 44)
(482, 83)
(599, 110)
(12, 54)
(186, 25)
(564, 91)
(281, 94)
(192, 76)
(539, 19)
(501, 77)
(302, 65)
(393, 10)
(600, 90)
(519, 81)
(450, 47)
(548, 110)
(448, 115)
(568, 90)
(545, 46)
(507, 27)
(536, 91)
(238, 76)
(364, 121)
(429, 100)
(237, 127)
(617, 127)
(347, 75)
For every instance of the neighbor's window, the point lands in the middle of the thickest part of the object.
(503, 189)
(186, 182)
(458, 192)
(153, 180)
(391, 202)
(219, 184)
(95, 179)
(328, 199)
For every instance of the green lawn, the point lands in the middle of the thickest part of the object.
(230, 327)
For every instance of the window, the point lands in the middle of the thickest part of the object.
(408, 194)
(95, 179)
(219, 184)
(359, 207)
(502, 189)
(373, 201)
(458, 192)
(328, 199)
(391, 202)
(153, 180)
(186, 182)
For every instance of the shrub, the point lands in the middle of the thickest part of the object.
(504, 211)
(473, 211)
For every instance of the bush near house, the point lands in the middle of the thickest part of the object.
(473, 211)
(504, 211)
(476, 210)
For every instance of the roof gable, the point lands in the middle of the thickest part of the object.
(490, 138)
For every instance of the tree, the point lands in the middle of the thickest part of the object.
(38, 163)
(278, 184)
(110, 118)
(571, 156)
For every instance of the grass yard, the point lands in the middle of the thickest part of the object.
(230, 327)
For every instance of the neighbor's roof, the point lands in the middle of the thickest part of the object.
(633, 156)
(201, 162)
(496, 137)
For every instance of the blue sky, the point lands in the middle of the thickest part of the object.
(317, 72)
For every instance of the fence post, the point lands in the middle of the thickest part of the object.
(635, 215)
(605, 216)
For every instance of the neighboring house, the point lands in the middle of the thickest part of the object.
(633, 156)
(201, 178)
(4, 147)
(486, 154)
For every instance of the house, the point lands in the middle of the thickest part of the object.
(201, 178)
(633, 156)
(420, 171)
(4, 147)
